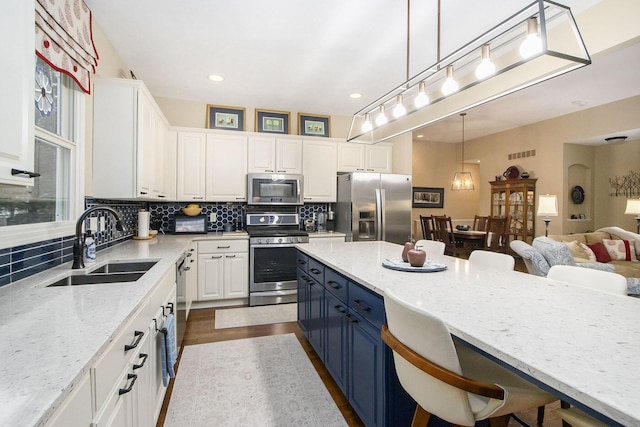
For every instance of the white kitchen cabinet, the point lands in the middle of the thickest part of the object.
(267, 154)
(320, 171)
(130, 142)
(223, 269)
(190, 170)
(16, 108)
(76, 409)
(365, 158)
(226, 168)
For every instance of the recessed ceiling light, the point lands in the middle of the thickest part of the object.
(419, 136)
(355, 95)
(215, 78)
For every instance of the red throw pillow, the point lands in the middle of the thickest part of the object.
(602, 255)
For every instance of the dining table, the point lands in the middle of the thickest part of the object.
(470, 239)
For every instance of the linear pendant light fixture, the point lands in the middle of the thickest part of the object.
(537, 43)
(462, 180)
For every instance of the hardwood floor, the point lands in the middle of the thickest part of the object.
(200, 330)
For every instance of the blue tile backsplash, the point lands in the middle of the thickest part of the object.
(23, 261)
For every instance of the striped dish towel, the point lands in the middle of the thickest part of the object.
(169, 349)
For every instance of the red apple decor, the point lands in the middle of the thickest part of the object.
(407, 247)
(416, 257)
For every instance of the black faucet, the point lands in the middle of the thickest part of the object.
(79, 243)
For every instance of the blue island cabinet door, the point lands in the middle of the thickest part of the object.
(366, 371)
(315, 332)
(303, 309)
(337, 340)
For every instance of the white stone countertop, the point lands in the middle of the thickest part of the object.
(314, 234)
(50, 337)
(580, 343)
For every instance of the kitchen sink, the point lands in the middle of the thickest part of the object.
(125, 267)
(94, 279)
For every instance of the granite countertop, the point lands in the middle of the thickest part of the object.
(582, 343)
(51, 336)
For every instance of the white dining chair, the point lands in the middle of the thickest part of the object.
(431, 247)
(454, 383)
(604, 281)
(489, 259)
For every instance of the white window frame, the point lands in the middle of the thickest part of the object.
(23, 234)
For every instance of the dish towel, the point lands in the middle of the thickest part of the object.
(169, 349)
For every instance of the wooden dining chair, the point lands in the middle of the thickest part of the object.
(427, 227)
(497, 233)
(443, 232)
(480, 222)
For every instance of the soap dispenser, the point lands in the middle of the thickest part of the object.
(89, 248)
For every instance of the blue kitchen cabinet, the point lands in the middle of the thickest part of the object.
(337, 340)
(366, 370)
(302, 277)
(315, 301)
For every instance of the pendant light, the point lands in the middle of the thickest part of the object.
(462, 180)
(532, 44)
(381, 118)
(486, 68)
(367, 126)
(422, 98)
(450, 84)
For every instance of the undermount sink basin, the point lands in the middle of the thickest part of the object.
(125, 267)
(94, 279)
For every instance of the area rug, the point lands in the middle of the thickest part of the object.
(265, 381)
(261, 315)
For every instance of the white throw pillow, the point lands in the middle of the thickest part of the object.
(589, 252)
(621, 250)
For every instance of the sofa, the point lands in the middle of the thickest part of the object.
(609, 249)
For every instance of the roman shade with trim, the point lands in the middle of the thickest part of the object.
(64, 39)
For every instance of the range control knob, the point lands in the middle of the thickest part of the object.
(280, 240)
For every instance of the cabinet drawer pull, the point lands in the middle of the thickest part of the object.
(198, 197)
(302, 262)
(230, 256)
(224, 247)
(23, 172)
(340, 308)
(161, 196)
(363, 307)
(352, 319)
(143, 192)
(144, 357)
(334, 285)
(133, 378)
(138, 335)
(216, 256)
(282, 171)
(315, 271)
(187, 268)
(189, 254)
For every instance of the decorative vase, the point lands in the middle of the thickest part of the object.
(407, 247)
(416, 257)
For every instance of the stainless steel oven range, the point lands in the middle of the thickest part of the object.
(272, 257)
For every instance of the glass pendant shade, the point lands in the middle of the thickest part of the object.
(486, 68)
(367, 126)
(422, 98)
(462, 180)
(450, 85)
(381, 118)
(532, 44)
(399, 110)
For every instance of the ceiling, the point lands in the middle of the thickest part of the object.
(304, 56)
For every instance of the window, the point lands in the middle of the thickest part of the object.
(51, 200)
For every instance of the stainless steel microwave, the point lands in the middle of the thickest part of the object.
(274, 189)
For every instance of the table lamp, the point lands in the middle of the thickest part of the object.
(547, 206)
(633, 208)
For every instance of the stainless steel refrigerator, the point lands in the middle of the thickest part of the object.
(374, 206)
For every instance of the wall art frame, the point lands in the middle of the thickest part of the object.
(272, 121)
(225, 117)
(313, 125)
(428, 197)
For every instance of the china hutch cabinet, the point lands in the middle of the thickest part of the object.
(516, 198)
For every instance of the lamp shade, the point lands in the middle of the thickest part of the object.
(633, 207)
(548, 205)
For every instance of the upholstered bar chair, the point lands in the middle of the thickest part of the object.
(453, 383)
(431, 247)
(490, 259)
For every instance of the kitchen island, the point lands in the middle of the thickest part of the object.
(580, 344)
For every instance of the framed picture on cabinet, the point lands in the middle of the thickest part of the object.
(311, 125)
(272, 121)
(428, 197)
(228, 118)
